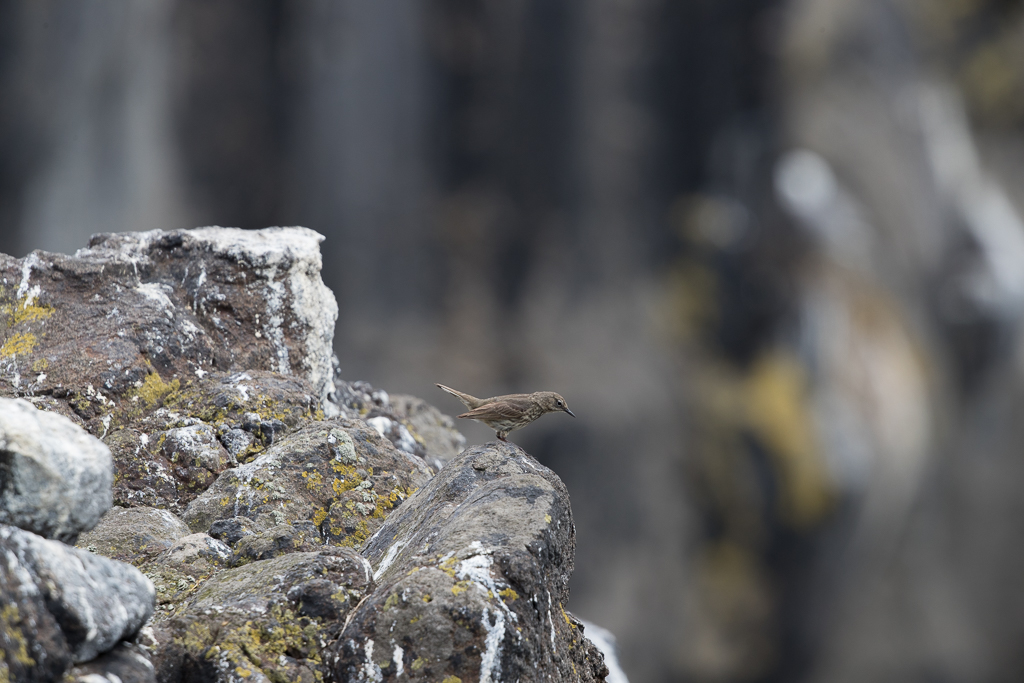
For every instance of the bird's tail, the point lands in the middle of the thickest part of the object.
(470, 402)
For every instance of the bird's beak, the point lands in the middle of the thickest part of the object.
(570, 412)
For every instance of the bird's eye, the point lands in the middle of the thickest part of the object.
(558, 403)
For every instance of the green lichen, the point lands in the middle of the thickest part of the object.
(10, 625)
(258, 644)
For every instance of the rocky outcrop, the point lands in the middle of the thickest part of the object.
(253, 487)
(58, 605)
(338, 475)
(473, 576)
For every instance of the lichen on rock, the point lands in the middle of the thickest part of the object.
(254, 486)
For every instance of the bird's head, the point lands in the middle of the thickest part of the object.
(553, 402)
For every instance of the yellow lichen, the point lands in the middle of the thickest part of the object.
(448, 566)
(418, 664)
(509, 594)
(19, 344)
(154, 389)
(452, 679)
(10, 625)
(461, 587)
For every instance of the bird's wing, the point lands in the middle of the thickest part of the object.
(499, 410)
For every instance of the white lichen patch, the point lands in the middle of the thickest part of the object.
(371, 671)
(490, 661)
(293, 254)
(388, 560)
(154, 291)
(383, 425)
(396, 657)
(26, 293)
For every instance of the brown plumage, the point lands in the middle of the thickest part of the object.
(504, 414)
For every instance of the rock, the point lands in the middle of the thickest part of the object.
(265, 621)
(245, 478)
(133, 534)
(410, 423)
(145, 442)
(339, 474)
(92, 601)
(232, 530)
(605, 641)
(198, 550)
(54, 477)
(472, 577)
(277, 540)
(177, 304)
(126, 663)
(237, 441)
(436, 430)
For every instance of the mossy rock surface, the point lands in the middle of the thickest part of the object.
(268, 619)
(473, 575)
(338, 474)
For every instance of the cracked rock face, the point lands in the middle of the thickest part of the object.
(54, 477)
(178, 303)
(472, 577)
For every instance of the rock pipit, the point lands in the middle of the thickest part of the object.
(504, 414)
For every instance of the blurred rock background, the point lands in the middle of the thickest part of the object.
(771, 251)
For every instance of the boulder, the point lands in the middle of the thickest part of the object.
(265, 621)
(248, 478)
(339, 475)
(472, 575)
(69, 604)
(54, 477)
(441, 440)
(134, 534)
(178, 304)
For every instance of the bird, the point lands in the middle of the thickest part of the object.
(506, 413)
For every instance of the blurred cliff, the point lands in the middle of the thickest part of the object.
(771, 251)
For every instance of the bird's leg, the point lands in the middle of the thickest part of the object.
(501, 436)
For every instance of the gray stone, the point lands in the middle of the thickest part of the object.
(436, 430)
(55, 478)
(126, 663)
(278, 540)
(199, 550)
(268, 620)
(472, 576)
(94, 601)
(197, 446)
(410, 423)
(339, 474)
(232, 530)
(133, 534)
(237, 441)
